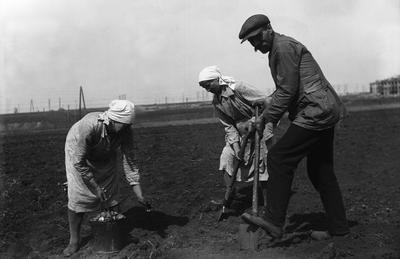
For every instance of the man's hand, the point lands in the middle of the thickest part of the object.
(260, 125)
(262, 103)
(251, 128)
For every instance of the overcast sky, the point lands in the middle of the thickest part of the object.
(149, 49)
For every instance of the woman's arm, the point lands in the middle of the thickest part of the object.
(130, 169)
(80, 154)
(232, 136)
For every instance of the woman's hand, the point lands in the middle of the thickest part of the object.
(236, 150)
(145, 204)
(138, 192)
(100, 193)
(97, 190)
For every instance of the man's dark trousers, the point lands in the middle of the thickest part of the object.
(283, 159)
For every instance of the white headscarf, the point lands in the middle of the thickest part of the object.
(120, 111)
(213, 72)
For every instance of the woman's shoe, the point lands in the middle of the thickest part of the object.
(320, 235)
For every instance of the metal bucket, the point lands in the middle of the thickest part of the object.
(109, 236)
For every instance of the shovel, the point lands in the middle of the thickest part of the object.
(249, 233)
(253, 218)
(229, 189)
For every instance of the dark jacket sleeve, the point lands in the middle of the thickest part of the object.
(286, 62)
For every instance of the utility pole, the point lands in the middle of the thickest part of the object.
(68, 113)
(59, 103)
(31, 108)
(81, 100)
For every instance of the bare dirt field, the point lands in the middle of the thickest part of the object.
(179, 175)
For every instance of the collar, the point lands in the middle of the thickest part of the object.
(104, 132)
(274, 43)
(104, 121)
(227, 92)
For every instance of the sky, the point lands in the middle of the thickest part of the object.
(152, 50)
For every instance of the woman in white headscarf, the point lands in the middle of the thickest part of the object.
(97, 148)
(234, 103)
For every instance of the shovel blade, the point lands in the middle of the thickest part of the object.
(274, 231)
(221, 216)
(248, 236)
(225, 213)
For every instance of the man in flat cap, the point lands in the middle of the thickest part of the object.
(314, 109)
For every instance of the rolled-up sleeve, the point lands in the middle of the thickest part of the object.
(286, 80)
(250, 93)
(231, 133)
(130, 169)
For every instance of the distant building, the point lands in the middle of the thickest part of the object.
(386, 87)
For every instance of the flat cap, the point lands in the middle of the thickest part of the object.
(252, 26)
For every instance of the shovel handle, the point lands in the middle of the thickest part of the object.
(256, 168)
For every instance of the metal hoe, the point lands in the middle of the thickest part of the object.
(229, 190)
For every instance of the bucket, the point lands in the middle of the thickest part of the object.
(108, 236)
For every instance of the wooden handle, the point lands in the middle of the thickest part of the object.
(256, 168)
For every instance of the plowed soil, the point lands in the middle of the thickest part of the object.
(179, 175)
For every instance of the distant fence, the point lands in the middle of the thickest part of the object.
(144, 115)
(161, 114)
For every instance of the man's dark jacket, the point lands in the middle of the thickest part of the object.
(301, 87)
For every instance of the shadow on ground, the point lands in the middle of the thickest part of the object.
(299, 227)
(156, 221)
